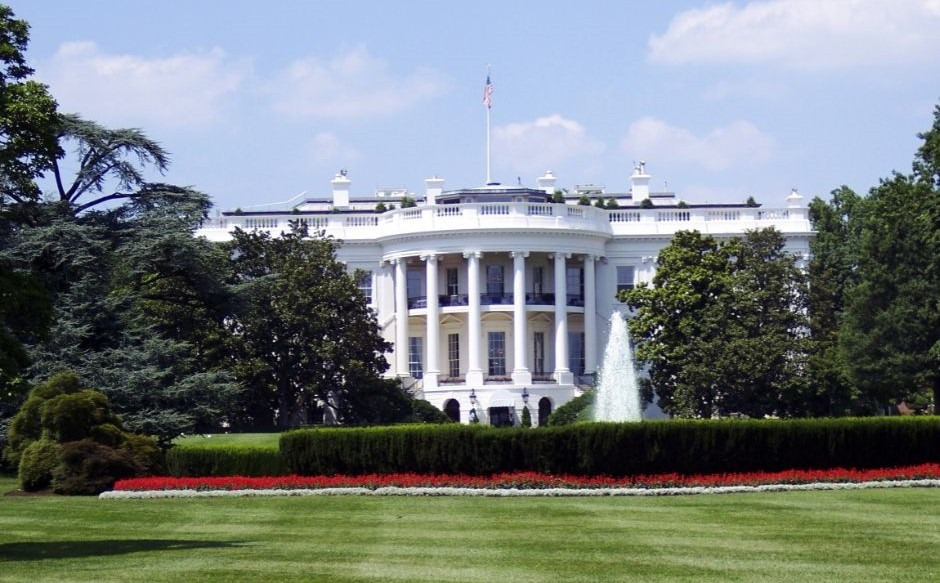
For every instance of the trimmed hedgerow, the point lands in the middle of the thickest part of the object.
(233, 460)
(617, 449)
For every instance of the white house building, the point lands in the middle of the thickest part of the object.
(495, 298)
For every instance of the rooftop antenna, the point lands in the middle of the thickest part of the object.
(488, 104)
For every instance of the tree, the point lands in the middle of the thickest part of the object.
(28, 118)
(890, 332)
(304, 336)
(107, 158)
(139, 307)
(25, 314)
(721, 328)
(834, 252)
(891, 329)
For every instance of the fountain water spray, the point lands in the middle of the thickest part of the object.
(618, 395)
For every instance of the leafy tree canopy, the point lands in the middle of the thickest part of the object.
(305, 340)
(28, 118)
(722, 328)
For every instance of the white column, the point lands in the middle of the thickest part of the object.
(590, 315)
(474, 376)
(562, 373)
(433, 335)
(521, 375)
(401, 318)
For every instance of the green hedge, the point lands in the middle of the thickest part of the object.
(185, 460)
(688, 447)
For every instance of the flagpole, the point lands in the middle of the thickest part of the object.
(488, 104)
(488, 145)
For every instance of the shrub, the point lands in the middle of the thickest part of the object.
(26, 425)
(72, 417)
(146, 453)
(424, 412)
(37, 461)
(58, 424)
(225, 461)
(617, 449)
(526, 417)
(88, 467)
(576, 409)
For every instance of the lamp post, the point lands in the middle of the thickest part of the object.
(526, 416)
(473, 409)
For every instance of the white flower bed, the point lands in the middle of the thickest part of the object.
(516, 492)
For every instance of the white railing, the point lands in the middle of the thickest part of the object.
(524, 215)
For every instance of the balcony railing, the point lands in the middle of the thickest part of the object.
(495, 299)
(418, 302)
(520, 215)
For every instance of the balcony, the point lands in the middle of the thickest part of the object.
(458, 300)
(515, 216)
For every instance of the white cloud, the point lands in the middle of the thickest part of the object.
(737, 144)
(544, 144)
(806, 34)
(328, 150)
(352, 84)
(181, 90)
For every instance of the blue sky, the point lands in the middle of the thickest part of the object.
(258, 102)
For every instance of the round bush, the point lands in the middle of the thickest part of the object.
(37, 463)
(89, 468)
(71, 417)
(574, 410)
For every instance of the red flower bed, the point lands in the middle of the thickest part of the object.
(529, 480)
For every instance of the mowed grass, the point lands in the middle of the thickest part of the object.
(266, 440)
(874, 535)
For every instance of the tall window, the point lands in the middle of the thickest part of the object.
(538, 351)
(415, 350)
(415, 283)
(497, 353)
(453, 288)
(575, 281)
(576, 352)
(625, 277)
(365, 286)
(537, 278)
(453, 355)
(494, 280)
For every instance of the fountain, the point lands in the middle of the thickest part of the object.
(618, 396)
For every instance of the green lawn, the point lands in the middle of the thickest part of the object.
(229, 439)
(875, 535)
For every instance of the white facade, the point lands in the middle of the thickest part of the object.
(495, 298)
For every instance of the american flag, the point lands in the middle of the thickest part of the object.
(488, 93)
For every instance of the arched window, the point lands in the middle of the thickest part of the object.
(452, 410)
(545, 409)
